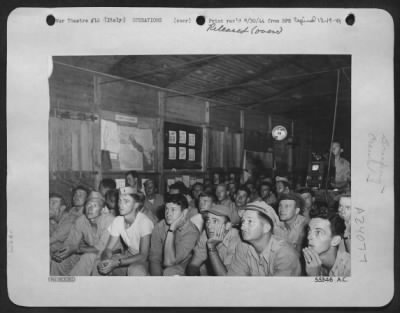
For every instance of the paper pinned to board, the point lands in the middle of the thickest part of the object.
(109, 136)
(120, 182)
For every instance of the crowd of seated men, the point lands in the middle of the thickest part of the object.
(252, 229)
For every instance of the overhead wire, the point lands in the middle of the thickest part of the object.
(333, 131)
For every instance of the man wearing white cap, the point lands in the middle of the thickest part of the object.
(86, 240)
(265, 254)
(217, 242)
(135, 228)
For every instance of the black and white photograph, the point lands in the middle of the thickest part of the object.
(226, 156)
(276, 128)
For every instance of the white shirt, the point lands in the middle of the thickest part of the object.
(141, 227)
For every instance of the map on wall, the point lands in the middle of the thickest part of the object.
(131, 148)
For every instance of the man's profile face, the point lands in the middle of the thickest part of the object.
(335, 149)
(204, 203)
(264, 192)
(149, 188)
(221, 193)
(172, 212)
(54, 207)
(131, 181)
(252, 227)
(92, 209)
(345, 208)
(126, 204)
(319, 235)
(241, 198)
(213, 224)
(308, 200)
(79, 197)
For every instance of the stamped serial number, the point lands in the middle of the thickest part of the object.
(62, 279)
(327, 279)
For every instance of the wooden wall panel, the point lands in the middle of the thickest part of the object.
(281, 120)
(224, 117)
(71, 89)
(185, 108)
(72, 145)
(255, 121)
(126, 97)
(216, 144)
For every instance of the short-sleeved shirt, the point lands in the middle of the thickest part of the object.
(278, 258)
(295, 234)
(186, 237)
(226, 249)
(342, 168)
(59, 232)
(342, 265)
(95, 237)
(141, 227)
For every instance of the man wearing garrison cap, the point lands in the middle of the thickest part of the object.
(87, 239)
(217, 242)
(264, 254)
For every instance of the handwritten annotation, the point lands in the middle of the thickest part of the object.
(242, 30)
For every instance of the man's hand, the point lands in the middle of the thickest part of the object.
(313, 262)
(107, 266)
(62, 254)
(217, 237)
(179, 222)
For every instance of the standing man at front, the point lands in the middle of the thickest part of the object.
(265, 254)
(173, 239)
(342, 168)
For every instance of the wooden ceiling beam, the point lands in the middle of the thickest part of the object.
(243, 82)
(158, 70)
(282, 92)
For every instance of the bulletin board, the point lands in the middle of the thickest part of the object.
(127, 142)
(182, 146)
